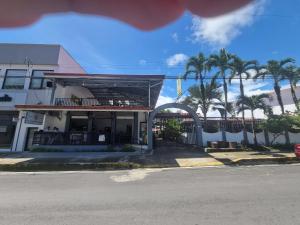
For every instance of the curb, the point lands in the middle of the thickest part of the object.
(28, 167)
(265, 161)
(104, 166)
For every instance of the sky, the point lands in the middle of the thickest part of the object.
(263, 30)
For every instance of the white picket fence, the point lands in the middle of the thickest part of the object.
(190, 138)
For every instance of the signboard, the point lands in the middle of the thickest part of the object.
(34, 118)
(101, 138)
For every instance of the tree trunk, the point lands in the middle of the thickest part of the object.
(226, 103)
(243, 112)
(294, 96)
(205, 120)
(278, 94)
(253, 128)
(287, 137)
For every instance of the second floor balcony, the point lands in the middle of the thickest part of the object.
(98, 102)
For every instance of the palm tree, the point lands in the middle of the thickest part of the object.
(205, 99)
(241, 70)
(291, 73)
(220, 106)
(276, 70)
(222, 62)
(252, 103)
(196, 66)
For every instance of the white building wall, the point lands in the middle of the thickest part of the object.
(52, 121)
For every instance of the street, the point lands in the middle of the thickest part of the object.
(225, 195)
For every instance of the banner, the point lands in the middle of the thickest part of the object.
(179, 87)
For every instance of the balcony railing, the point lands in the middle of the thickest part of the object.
(78, 138)
(97, 102)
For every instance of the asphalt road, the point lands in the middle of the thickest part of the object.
(241, 195)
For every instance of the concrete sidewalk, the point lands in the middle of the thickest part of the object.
(63, 157)
(118, 160)
(196, 159)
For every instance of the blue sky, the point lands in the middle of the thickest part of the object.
(266, 29)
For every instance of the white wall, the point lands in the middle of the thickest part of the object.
(67, 92)
(54, 121)
(211, 137)
(233, 137)
(26, 95)
(190, 138)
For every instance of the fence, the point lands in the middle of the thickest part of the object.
(190, 138)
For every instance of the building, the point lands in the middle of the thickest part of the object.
(22, 82)
(287, 100)
(89, 112)
(48, 101)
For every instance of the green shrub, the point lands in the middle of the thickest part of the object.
(110, 148)
(127, 148)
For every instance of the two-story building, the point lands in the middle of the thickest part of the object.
(47, 100)
(22, 82)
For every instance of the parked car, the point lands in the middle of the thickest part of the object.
(297, 150)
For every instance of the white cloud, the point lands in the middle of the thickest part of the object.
(142, 62)
(220, 31)
(164, 100)
(177, 59)
(175, 37)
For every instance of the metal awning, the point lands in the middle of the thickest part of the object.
(135, 87)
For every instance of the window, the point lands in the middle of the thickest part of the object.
(37, 79)
(14, 79)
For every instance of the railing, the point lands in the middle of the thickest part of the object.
(78, 138)
(98, 102)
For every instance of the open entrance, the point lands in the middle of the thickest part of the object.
(30, 137)
(8, 122)
(171, 131)
(116, 127)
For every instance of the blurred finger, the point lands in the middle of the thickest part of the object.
(143, 14)
(210, 8)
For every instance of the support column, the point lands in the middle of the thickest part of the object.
(90, 127)
(68, 120)
(267, 140)
(135, 128)
(149, 95)
(90, 121)
(52, 100)
(113, 127)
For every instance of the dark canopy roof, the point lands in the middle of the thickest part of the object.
(135, 87)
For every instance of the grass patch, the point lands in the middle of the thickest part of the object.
(277, 147)
(127, 148)
(42, 149)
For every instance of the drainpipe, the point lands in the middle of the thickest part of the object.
(149, 94)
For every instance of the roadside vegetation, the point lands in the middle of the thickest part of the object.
(215, 72)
